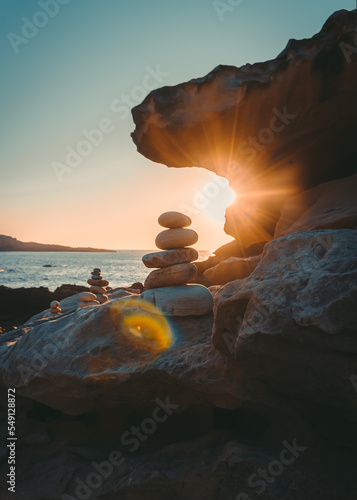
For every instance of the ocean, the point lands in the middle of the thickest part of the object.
(26, 269)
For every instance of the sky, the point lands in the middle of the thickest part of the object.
(71, 70)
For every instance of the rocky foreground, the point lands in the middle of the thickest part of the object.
(255, 400)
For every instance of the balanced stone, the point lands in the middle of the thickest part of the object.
(178, 274)
(185, 300)
(170, 257)
(87, 296)
(89, 303)
(96, 276)
(174, 220)
(56, 310)
(98, 282)
(176, 238)
(102, 299)
(54, 303)
(96, 270)
(97, 289)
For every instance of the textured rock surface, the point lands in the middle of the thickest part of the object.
(296, 351)
(85, 360)
(267, 127)
(231, 269)
(170, 257)
(185, 300)
(231, 249)
(293, 324)
(177, 274)
(332, 205)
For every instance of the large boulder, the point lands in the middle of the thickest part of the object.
(292, 325)
(332, 205)
(231, 269)
(94, 357)
(270, 128)
(231, 249)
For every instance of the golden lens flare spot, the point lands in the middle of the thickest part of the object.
(142, 324)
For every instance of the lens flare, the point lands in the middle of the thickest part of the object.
(143, 325)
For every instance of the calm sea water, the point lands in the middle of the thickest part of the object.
(25, 269)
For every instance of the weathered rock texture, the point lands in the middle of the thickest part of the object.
(231, 269)
(332, 205)
(293, 324)
(268, 127)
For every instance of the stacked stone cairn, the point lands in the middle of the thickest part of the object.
(167, 287)
(55, 307)
(97, 292)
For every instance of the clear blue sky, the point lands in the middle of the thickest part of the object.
(68, 75)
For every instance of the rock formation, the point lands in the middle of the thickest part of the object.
(231, 269)
(152, 396)
(97, 292)
(55, 308)
(175, 270)
(332, 205)
(293, 325)
(270, 128)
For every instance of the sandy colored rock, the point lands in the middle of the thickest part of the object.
(89, 303)
(174, 220)
(176, 238)
(87, 296)
(185, 300)
(332, 205)
(178, 274)
(102, 299)
(56, 310)
(98, 282)
(293, 319)
(170, 257)
(276, 125)
(231, 269)
(97, 290)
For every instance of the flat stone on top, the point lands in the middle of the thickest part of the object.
(176, 238)
(174, 220)
(170, 257)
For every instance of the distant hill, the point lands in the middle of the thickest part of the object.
(9, 244)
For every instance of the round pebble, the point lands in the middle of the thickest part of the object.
(170, 257)
(176, 238)
(97, 289)
(96, 277)
(174, 220)
(178, 274)
(87, 296)
(54, 303)
(98, 282)
(102, 299)
(96, 270)
(56, 310)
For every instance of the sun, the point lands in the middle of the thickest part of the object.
(216, 196)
